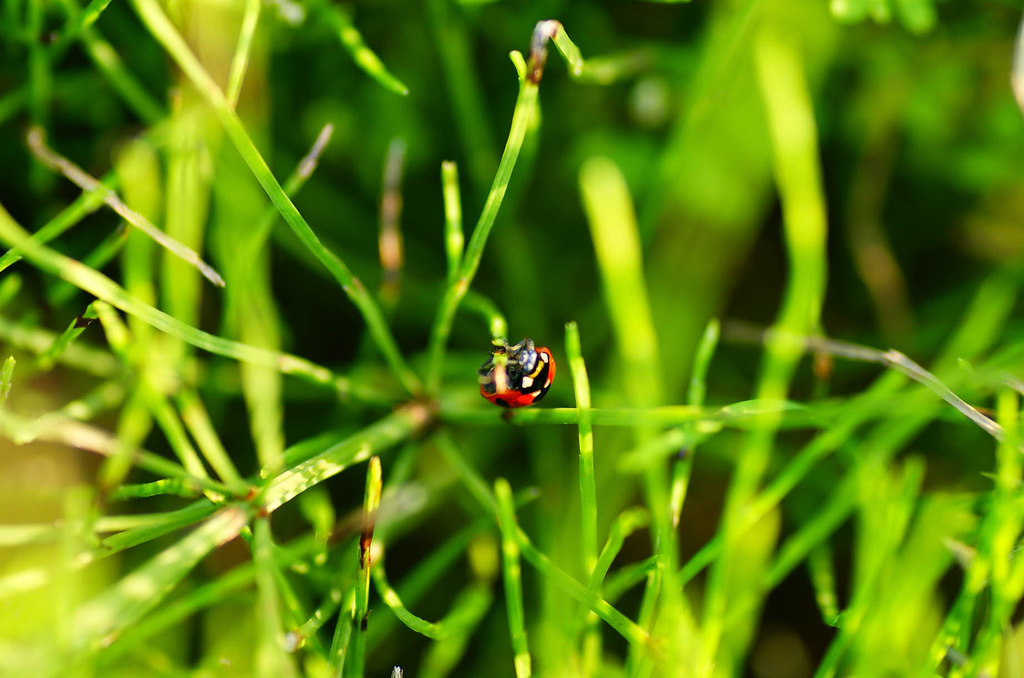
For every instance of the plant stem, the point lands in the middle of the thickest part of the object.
(165, 32)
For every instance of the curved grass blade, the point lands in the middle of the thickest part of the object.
(78, 176)
(106, 289)
(161, 27)
(523, 115)
(364, 57)
(85, 204)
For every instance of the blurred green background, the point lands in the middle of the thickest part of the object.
(920, 144)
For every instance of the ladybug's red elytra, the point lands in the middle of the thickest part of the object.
(516, 376)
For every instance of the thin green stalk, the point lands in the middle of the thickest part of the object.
(104, 288)
(165, 32)
(7, 376)
(40, 76)
(794, 141)
(387, 432)
(512, 578)
(196, 418)
(468, 475)
(101, 255)
(331, 604)
(173, 487)
(612, 219)
(683, 467)
(371, 501)
(169, 421)
(46, 360)
(116, 609)
(628, 522)
(569, 416)
(292, 185)
(80, 20)
(628, 629)
(464, 87)
(525, 110)
(270, 658)
(823, 579)
(159, 526)
(627, 577)
(135, 96)
(82, 436)
(240, 60)
(343, 633)
(75, 174)
(588, 488)
(134, 423)
(394, 601)
(85, 204)
(523, 116)
(425, 576)
(363, 57)
(489, 311)
(993, 565)
(454, 240)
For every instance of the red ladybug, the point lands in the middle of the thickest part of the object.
(516, 376)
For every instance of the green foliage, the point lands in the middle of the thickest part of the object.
(697, 496)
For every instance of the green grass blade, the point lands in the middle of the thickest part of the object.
(463, 83)
(454, 240)
(84, 205)
(627, 628)
(512, 578)
(106, 59)
(161, 524)
(427, 574)
(165, 32)
(489, 311)
(588, 487)
(371, 502)
(76, 175)
(196, 418)
(240, 60)
(270, 658)
(375, 438)
(394, 601)
(7, 376)
(98, 258)
(628, 522)
(103, 618)
(794, 141)
(363, 56)
(610, 213)
(522, 115)
(102, 287)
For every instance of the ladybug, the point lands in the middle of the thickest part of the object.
(516, 376)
